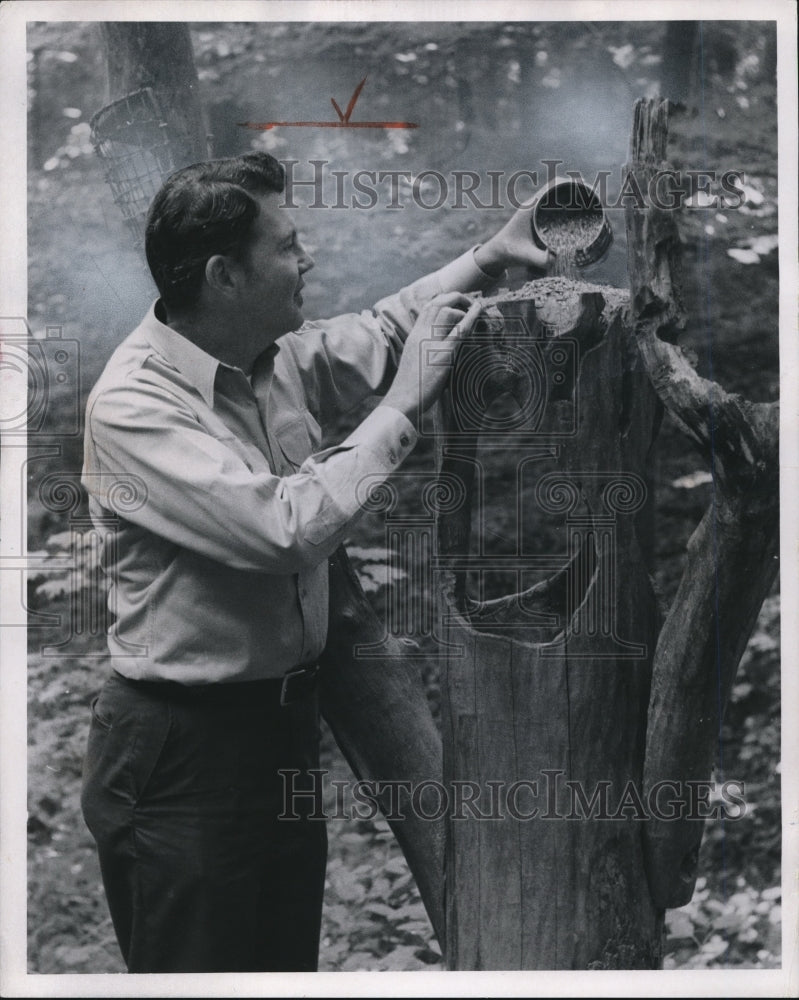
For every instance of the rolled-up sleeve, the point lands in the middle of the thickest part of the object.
(200, 492)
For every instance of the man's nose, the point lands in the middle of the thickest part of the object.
(306, 260)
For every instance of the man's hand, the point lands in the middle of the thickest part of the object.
(512, 246)
(417, 385)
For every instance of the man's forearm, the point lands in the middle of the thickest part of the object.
(491, 259)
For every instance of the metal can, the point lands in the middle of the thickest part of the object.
(569, 218)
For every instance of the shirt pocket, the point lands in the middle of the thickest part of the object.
(299, 438)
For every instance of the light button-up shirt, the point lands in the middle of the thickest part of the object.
(220, 573)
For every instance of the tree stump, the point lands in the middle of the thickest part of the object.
(545, 691)
(566, 705)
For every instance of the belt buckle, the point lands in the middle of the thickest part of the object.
(298, 684)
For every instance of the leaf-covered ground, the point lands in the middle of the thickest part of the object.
(373, 917)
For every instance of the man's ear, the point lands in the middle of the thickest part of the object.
(221, 273)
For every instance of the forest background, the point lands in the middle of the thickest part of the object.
(498, 97)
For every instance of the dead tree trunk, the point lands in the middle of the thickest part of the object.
(732, 556)
(547, 691)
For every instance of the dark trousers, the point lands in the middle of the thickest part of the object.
(183, 796)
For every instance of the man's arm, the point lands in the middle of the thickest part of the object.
(203, 495)
(349, 357)
(344, 359)
(512, 246)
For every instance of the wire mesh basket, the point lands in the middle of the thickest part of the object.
(139, 149)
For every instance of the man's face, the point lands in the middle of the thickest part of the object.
(273, 266)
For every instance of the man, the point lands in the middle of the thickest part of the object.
(218, 570)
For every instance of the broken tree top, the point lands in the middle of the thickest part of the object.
(553, 291)
(555, 287)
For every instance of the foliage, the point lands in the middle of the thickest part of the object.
(68, 562)
(368, 875)
(374, 567)
(708, 933)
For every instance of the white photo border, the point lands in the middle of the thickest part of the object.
(15, 981)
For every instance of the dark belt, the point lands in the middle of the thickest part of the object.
(296, 685)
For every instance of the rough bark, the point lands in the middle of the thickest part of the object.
(732, 556)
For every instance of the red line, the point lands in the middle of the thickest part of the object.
(354, 100)
(266, 126)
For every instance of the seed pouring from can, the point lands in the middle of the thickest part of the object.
(569, 220)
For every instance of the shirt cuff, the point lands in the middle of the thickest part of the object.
(388, 436)
(378, 445)
(463, 274)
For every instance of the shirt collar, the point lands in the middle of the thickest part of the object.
(195, 364)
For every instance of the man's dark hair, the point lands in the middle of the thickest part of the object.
(202, 210)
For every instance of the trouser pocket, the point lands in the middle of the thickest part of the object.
(127, 735)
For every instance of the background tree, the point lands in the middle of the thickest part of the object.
(159, 55)
(679, 60)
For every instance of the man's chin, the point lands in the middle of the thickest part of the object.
(292, 324)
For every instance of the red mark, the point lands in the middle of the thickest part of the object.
(343, 118)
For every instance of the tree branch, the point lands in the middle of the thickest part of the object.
(732, 556)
